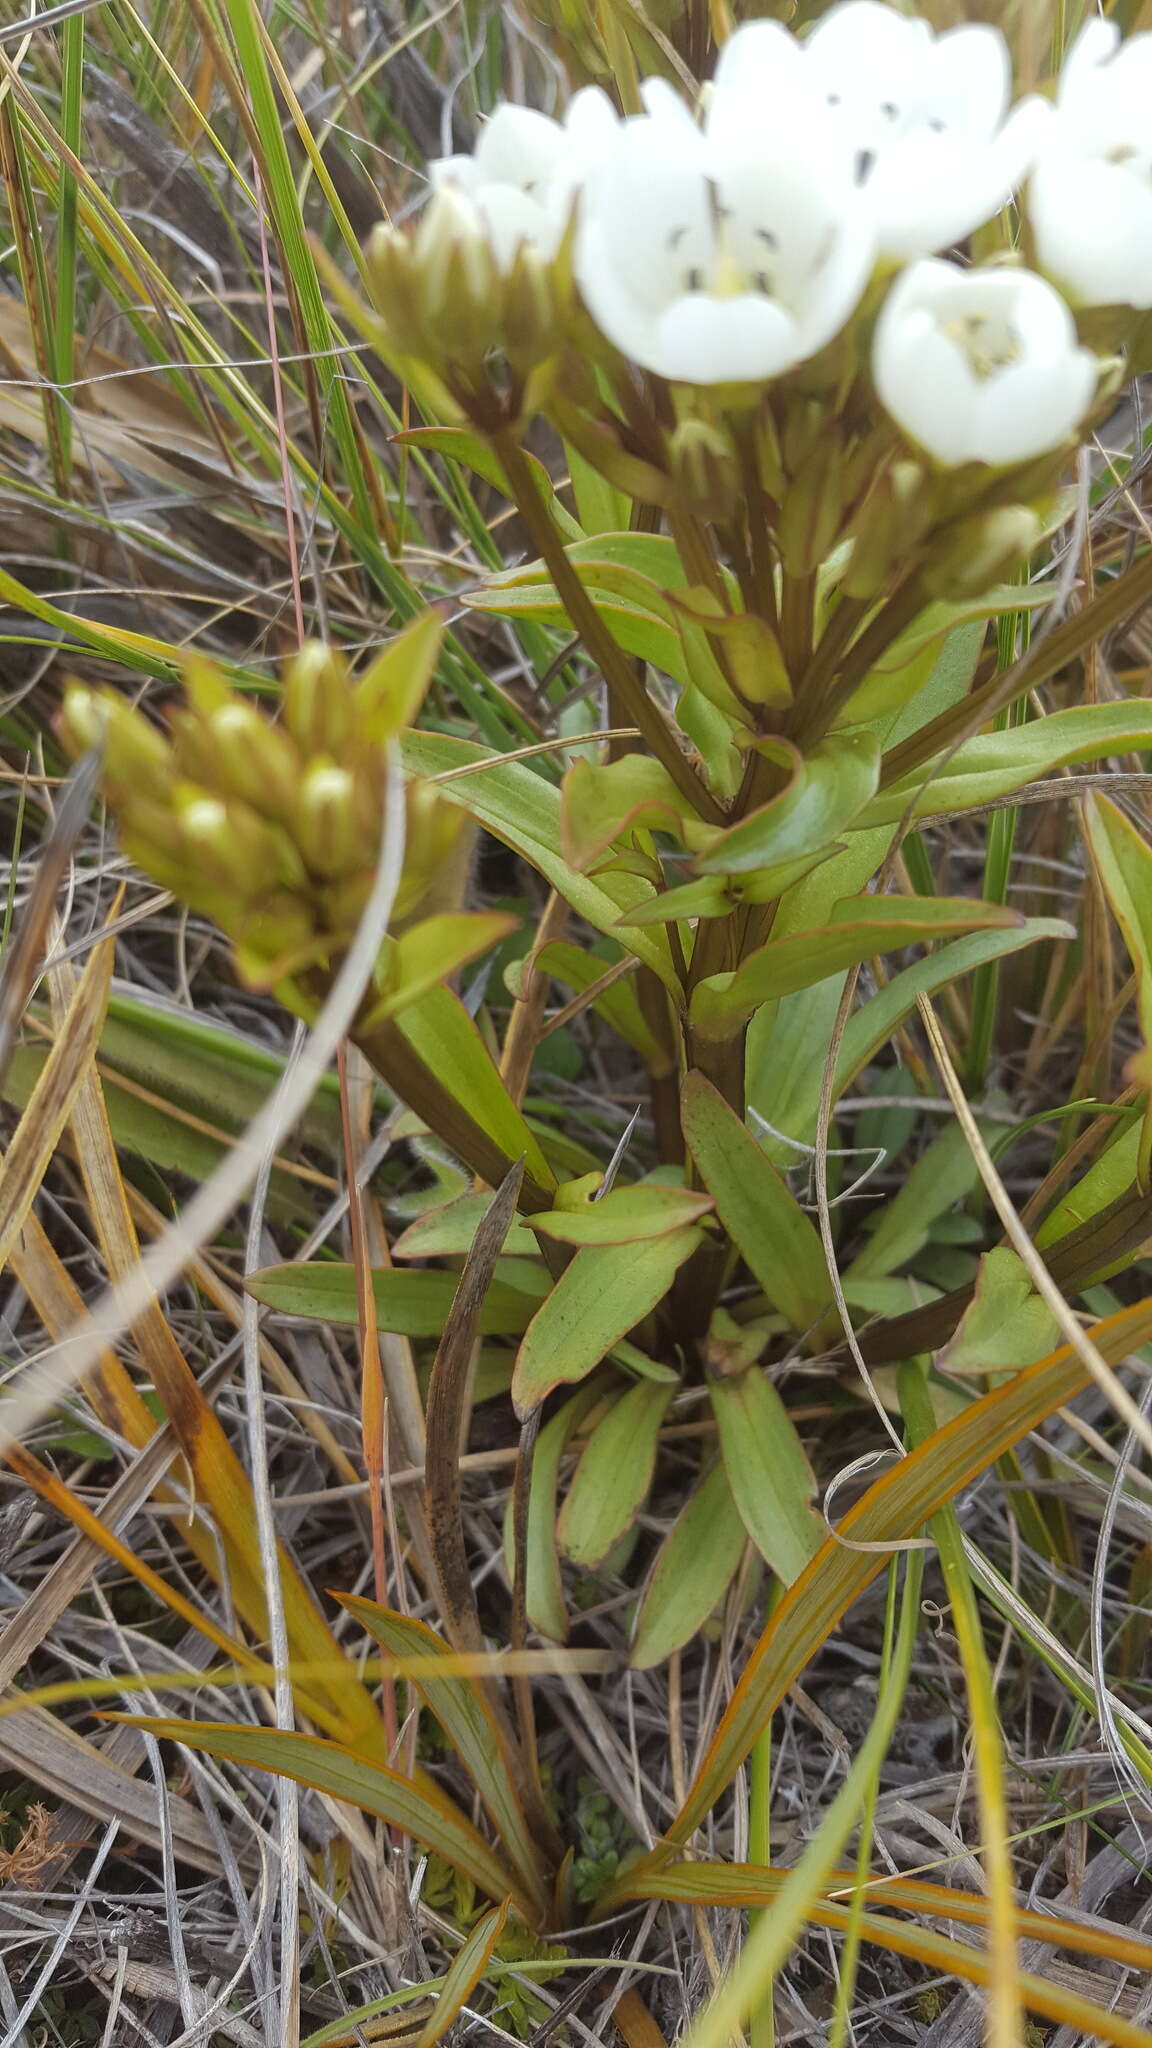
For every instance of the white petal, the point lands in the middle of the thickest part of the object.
(759, 57)
(925, 383)
(1033, 407)
(1095, 44)
(866, 37)
(836, 291)
(654, 221)
(929, 192)
(702, 340)
(1092, 224)
(590, 119)
(513, 218)
(459, 171)
(964, 80)
(518, 146)
(621, 317)
(662, 102)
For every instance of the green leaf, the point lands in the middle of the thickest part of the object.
(603, 801)
(776, 1240)
(410, 1304)
(996, 763)
(874, 1022)
(768, 1471)
(543, 1585)
(1124, 864)
(894, 1508)
(611, 1482)
(942, 1176)
(447, 1232)
(418, 1810)
(826, 791)
(431, 951)
(692, 1572)
(523, 810)
(444, 1037)
(471, 1727)
(464, 1974)
(864, 926)
(1108, 1177)
(625, 1216)
(1006, 1326)
(602, 1295)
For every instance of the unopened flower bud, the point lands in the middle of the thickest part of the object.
(136, 756)
(705, 469)
(325, 824)
(980, 551)
(813, 506)
(256, 760)
(317, 700)
(892, 521)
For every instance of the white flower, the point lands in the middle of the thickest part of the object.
(980, 365)
(926, 116)
(726, 256)
(526, 169)
(1090, 196)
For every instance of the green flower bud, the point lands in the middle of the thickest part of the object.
(326, 825)
(136, 756)
(890, 524)
(256, 760)
(705, 469)
(975, 553)
(813, 506)
(318, 701)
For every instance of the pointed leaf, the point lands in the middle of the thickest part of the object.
(826, 792)
(433, 950)
(692, 1573)
(447, 1232)
(411, 1304)
(862, 927)
(423, 1812)
(994, 764)
(611, 1481)
(605, 1291)
(768, 1471)
(467, 1720)
(544, 1587)
(625, 1216)
(463, 1975)
(776, 1240)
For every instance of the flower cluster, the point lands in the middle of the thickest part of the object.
(273, 828)
(814, 191)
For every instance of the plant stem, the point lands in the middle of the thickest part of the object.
(636, 706)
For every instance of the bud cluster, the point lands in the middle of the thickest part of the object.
(272, 828)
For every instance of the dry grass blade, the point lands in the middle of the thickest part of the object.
(61, 1081)
(26, 950)
(446, 1417)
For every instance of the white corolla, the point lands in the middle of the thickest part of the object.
(981, 365)
(1090, 195)
(926, 116)
(526, 169)
(722, 256)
